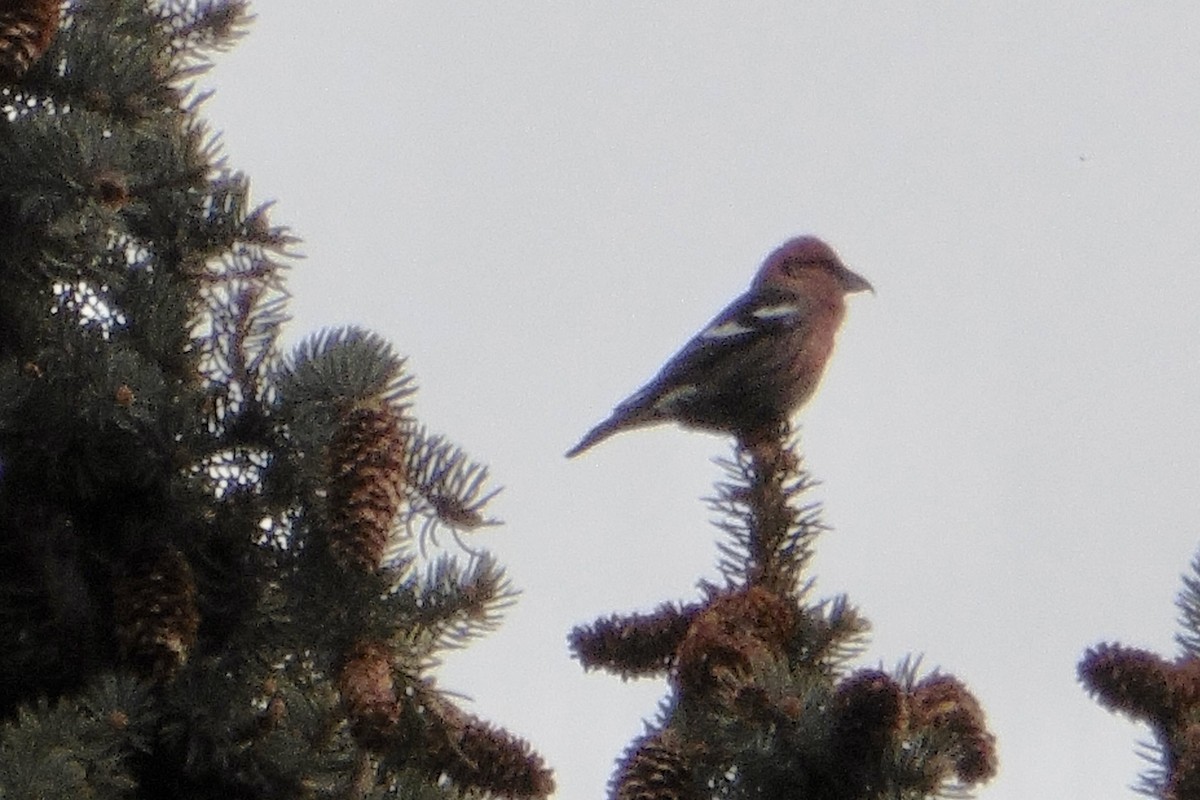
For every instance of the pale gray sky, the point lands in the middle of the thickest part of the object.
(539, 202)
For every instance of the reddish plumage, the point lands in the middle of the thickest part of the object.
(758, 360)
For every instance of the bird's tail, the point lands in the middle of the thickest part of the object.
(614, 424)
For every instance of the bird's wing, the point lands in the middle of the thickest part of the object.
(757, 315)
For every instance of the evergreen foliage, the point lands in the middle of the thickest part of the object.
(1165, 694)
(763, 702)
(213, 579)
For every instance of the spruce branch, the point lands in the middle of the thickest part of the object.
(831, 632)
(446, 488)
(1188, 603)
(897, 731)
(80, 748)
(327, 375)
(414, 726)
(768, 533)
(179, 500)
(198, 26)
(340, 364)
(1164, 694)
(452, 603)
(236, 353)
(759, 705)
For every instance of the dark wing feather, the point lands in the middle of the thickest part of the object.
(756, 316)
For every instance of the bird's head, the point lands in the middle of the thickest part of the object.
(799, 258)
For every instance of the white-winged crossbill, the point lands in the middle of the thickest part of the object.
(758, 360)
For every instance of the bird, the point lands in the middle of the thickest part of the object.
(757, 361)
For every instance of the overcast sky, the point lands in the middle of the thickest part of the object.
(539, 202)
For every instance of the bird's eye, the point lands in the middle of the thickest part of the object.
(794, 266)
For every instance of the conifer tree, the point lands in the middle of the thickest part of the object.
(1164, 694)
(762, 700)
(212, 575)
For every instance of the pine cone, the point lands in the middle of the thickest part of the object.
(730, 640)
(366, 490)
(1136, 682)
(478, 755)
(943, 703)
(634, 645)
(27, 28)
(869, 709)
(369, 692)
(654, 769)
(154, 606)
